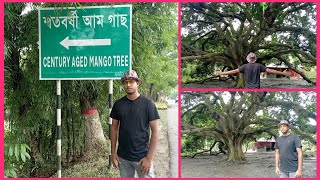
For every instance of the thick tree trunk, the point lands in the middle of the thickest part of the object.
(95, 141)
(94, 137)
(240, 81)
(235, 152)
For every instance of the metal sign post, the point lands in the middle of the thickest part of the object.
(59, 127)
(110, 119)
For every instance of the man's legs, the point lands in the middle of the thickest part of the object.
(292, 175)
(284, 175)
(126, 168)
(287, 175)
(140, 175)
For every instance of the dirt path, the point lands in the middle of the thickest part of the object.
(172, 125)
(161, 158)
(257, 165)
(265, 83)
(166, 157)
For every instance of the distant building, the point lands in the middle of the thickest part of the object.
(263, 145)
(282, 67)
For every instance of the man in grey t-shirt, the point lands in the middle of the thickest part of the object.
(252, 71)
(288, 153)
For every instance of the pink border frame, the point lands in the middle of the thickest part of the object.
(2, 91)
(179, 73)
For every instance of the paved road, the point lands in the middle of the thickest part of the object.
(172, 126)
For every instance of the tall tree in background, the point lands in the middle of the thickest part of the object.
(19, 98)
(155, 55)
(224, 33)
(235, 117)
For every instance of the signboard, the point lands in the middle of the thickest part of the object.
(85, 42)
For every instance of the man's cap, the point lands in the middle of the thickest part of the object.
(131, 74)
(251, 57)
(285, 122)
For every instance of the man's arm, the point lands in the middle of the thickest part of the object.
(155, 129)
(145, 162)
(300, 159)
(277, 162)
(285, 73)
(218, 73)
(114, 139)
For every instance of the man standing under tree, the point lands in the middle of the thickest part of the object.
(252, 71)
(132, 117)
(288, 153)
